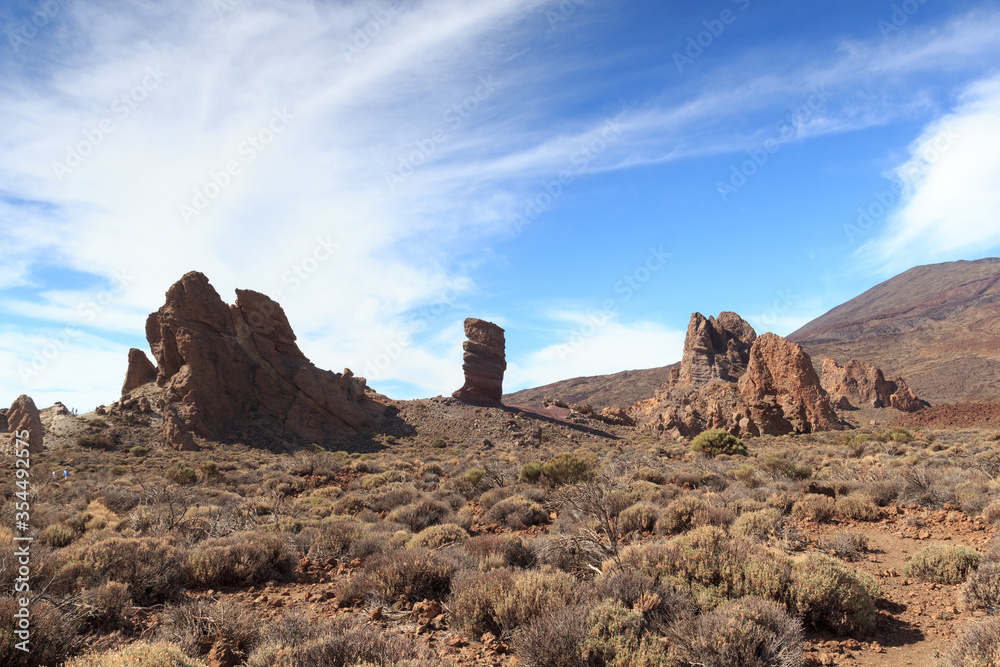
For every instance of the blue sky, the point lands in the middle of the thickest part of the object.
(586, 174)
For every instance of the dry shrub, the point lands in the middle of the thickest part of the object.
(501, 601)
(495, 495)
(240, 559)
(992, 512)
(517, 512)
(420, 514)
(139, 654)
(982, 589)
(339, 643)
(53, 635)
(496, 551)
(435, 537)
(554, 640)
(858, 506)
(639, 518)
(106, 607)
(196, 626)
(829, 594)
(814, 507)
(614, 634)
(847, 545)
(417, 574)
(391, 496)
(679, 515)
(978, 646)
(750, 632)
(334, 538)
(942, 564)
(151, 567)
(759, 525)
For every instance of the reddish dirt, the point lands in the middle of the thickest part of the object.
(953, 415)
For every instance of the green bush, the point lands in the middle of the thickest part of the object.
(138, 450)
(100, 441)
(434, 537)
(567, 468)
(829, 594)
(57, 535)
(781, 464)
(942, 564)
(530, 472)
(183, 474)
(858, 506)
(715, 442)
(474, 476)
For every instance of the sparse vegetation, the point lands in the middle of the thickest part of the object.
(716, 442)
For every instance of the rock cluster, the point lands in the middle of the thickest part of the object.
(733, 380)
(140, 371)
(221, 367)
(484, 363)
(860, 384)
(23, 416)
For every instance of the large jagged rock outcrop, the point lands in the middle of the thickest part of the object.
(484, 363)
(716, 349)
(140, 371)
(860, 384)
(782, 391)
(222, 366)
(730, 379)
(23, 416)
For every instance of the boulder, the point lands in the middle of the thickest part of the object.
(484, 363)
(224, 367)
(903, 398)
(140, 371)
(25, 424)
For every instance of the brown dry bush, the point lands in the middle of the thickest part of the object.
(814, 507)
(416, 574)
(679, 515)
(750, 632)
(982, 589)
(105, 608)
(139, 654)
(497, 551)
(435, 537)
(420, 514)
(53, 635)
(517, 512)
(858, 506)
(196, 626)
(501, 601)
(240, 559)
(339, 643)
(554, 640)
(491, 497)
(151, 567)
(978, 646)
(639, 518)
(759, 525)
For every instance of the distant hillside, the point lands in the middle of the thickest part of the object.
(601, 391)
(938, 326)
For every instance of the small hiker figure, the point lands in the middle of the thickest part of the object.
(65, 474)
(53, 475)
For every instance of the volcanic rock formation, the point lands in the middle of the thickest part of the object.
(222, 366)
(140, 371)
(23, 416)
(730, 379)
(483, 362)
(861, 384)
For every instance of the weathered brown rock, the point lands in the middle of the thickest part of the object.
(222, 366)
(484, 363)
(25, 424)
(782, 392)
(732, 380)
(140, 371)
(863, 385)
(715, 349)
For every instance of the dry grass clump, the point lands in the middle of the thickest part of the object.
(342, 642)
(198, 627)
(420, 514)
(435, 537)
(814, 507)
(942, 564)
(858, 506)
(499, 551)
(415, 574)
(53, 635)
(978, 646)
(517, 512)
(982, 589)
(759, 525)
(139, 654)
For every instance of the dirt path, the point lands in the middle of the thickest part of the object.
(917, 621)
